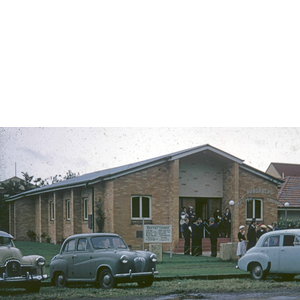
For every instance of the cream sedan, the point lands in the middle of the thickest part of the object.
(276, 252)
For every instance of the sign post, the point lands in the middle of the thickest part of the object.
(157, 234)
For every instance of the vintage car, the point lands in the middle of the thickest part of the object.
(17, 270)
(276, 252)
(101, 258)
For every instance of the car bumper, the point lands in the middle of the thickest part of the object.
(140, 274)
(26, 278)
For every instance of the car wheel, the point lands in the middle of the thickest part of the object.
(145, 283)
(33, 287)
(106, 279)
(288, 277)
(60, 280)
(257, 272)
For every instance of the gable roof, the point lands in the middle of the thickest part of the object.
(284, 169)
(108, 174)
(290, 191)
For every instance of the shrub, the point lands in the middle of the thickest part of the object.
(32, 235)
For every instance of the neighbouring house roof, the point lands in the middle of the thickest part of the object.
(284, 169)
(92, 178)
(290, 192)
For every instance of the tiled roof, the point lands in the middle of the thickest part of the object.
(290, 191)
(287, 169)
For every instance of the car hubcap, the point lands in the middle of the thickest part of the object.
(106, 279)
(257, 271)
(60, 279)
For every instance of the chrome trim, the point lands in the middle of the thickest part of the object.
(130, 274)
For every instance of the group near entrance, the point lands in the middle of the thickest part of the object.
(154, 191)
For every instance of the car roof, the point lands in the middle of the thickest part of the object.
(5, 234)
(80, 235)
(282, 231)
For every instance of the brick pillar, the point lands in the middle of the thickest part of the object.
(235, 210)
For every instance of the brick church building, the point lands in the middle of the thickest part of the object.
(154, 190)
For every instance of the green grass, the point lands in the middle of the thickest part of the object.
(182, 265)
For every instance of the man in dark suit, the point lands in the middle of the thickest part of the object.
(187, 237)
(251, 235)
(197, 235)
(214, 234)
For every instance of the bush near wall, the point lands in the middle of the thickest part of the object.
(290, 223)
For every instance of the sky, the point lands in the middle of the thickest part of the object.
(89, 85)
(50, 151)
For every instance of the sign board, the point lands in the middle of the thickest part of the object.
(157, 234)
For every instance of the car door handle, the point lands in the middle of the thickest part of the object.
(74, 256)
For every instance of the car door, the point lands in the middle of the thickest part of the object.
(270, 247)
(82, 259)
(68, 255)
(289, 254)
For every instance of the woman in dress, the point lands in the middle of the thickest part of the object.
(241, 247)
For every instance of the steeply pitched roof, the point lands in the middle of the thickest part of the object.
(284, 169)
(290, 191)
(92, 178)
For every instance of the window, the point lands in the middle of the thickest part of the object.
(272, 241)
(51, 210)
(68, 210)
(140, 207)
(70, 246)
(83, 245)
(85, 209)
(291, 241)
(254, 208)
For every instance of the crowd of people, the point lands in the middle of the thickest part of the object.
(192, 227)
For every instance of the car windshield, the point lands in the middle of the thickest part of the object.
(6, 241)
(101, 242)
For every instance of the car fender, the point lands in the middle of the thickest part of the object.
(261, 258)
(58, 265)
(104, 266)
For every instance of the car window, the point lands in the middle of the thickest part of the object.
(288, 240)
(69, 246)
(83, 245)
(272, 241)
(297, 241)
(5, 241)
(101, 242)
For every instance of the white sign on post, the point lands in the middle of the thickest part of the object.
(157, 234)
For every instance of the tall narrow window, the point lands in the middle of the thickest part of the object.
(51, 210)
(254, 208)
(141, 207)
(85, 209)
(68, 210)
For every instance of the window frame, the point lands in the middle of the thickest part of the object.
(68, 210)
(253, 209)
(85, 209)
(141, 207)
(52, 211)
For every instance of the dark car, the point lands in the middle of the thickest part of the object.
(17, 270)
(102, 258)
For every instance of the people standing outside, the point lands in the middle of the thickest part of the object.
(275, 227)
(187, 237)
(260, 230)
(251, 235)
(197, 235)
(191, 214)
(241, 247)
(227, 221)
(269, 228)
(214, 234)
(183, 215)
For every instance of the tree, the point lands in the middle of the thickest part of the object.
(100, 219)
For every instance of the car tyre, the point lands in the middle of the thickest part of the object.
(60, 280)
(145, 283)
(106, 279)
(33, 287)
(257, 272)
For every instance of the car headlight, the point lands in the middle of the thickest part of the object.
(124, 259)
(153, 257)
(40, 261)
